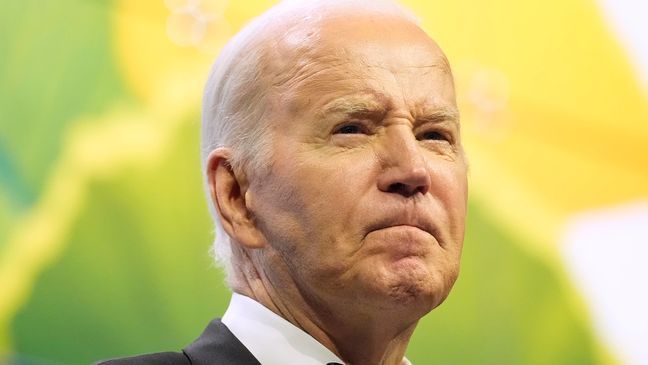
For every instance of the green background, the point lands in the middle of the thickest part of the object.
(135, 275)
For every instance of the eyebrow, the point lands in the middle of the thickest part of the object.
(370, 107)
(440, 115)
(353, 107)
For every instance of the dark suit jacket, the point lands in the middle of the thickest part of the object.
(216, 346)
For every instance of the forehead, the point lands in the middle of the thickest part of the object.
(371, 59)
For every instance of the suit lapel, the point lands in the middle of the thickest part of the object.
(217, 345)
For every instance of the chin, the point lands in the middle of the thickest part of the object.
(410, 285)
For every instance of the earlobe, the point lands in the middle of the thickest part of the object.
(228, 191)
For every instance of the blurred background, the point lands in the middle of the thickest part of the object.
(104, 233)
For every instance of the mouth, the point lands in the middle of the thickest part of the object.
(403, 241)
(405, 230)
(406, 222)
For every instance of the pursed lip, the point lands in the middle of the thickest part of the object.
(407, 219)
(401, 239)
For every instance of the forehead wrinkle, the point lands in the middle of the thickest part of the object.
(305, 68)
(443, 65)
(299, 60)
(286, 47)
(319, 72)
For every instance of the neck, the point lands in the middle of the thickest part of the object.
(355, 334)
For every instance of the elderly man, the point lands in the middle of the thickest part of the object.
(337, 180)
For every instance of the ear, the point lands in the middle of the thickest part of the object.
(227, 192)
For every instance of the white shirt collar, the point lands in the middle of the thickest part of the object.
(272, 339)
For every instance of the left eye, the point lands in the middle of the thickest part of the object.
(349, 129)
(433, 136)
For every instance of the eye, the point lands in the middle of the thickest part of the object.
(349, 129)
(432, 136)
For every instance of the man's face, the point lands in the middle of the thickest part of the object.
(365, 199)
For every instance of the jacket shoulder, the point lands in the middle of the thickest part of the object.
(161, 358)
(216, 345)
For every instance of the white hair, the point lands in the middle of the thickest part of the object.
(235, 102)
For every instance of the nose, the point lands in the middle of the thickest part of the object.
(404, 168)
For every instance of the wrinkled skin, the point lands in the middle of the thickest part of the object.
(359, 220)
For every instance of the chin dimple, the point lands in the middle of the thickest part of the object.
(407, 289)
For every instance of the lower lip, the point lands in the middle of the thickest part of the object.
(405, 241)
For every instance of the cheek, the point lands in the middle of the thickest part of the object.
(332, 187)
(453, 185)
(303, 201)
(320, 208)
(277, 208)
(451, 189)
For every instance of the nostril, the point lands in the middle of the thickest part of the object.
(396, 188)
(403, 189)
